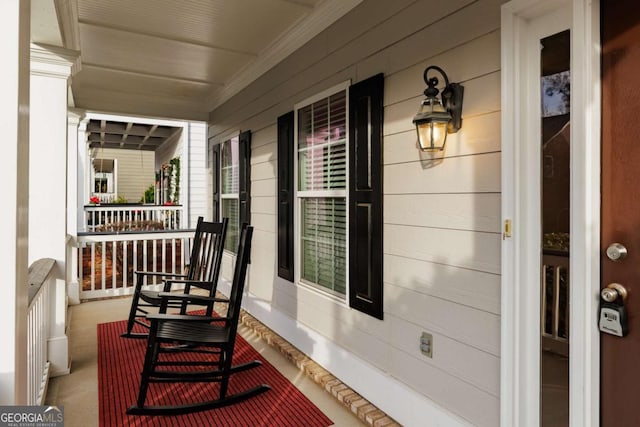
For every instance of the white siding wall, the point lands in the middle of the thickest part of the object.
(134, 171)
(441, 216)
(197, 172)
(191, 146)
(170, 149)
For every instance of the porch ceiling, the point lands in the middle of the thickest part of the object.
(127, 135)
(180, 59)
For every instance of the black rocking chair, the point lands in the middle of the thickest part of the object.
(203, 272)
(204, 336)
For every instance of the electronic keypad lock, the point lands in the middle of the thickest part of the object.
(613, 314)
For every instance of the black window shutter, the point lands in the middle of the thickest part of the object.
(285, 195)
(215, 161)
(244, 177)
(365, 195)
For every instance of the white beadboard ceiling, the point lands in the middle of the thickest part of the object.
(181, 59)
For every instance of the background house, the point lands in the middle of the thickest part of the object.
(122, 173)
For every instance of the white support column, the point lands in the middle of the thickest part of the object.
(51, 68)
(83, 179)
(115, 178)
(14, 175)
(185, 178)
(73, 172)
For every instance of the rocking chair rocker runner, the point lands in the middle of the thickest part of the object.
(192, 333)
(204, 268)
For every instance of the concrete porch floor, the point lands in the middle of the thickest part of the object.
(78, 391)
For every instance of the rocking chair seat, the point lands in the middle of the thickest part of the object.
(152, 297)
(155, 297)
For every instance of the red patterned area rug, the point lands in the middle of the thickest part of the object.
(119, 366)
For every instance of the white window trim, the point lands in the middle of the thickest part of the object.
(113, 181)
(315, 193)
(219, 141)
(297, 215)
(108, 177)
(519, 388)
(324, 94)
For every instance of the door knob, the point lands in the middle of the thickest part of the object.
(613, 291)
(616, 252)
(612, 317)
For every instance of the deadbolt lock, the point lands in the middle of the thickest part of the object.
(616, 252)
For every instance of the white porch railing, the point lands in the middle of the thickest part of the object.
(107, 261)
(128, 217)
(554, 318)
(38, 319)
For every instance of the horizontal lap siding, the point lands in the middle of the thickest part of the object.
(441, 215)
(459, 248)
(471, 288)
(466, 174)
(135, 171)
(462, 398)
(264, 205)
(261, 266)
(455, 211)
(477, 136)
(170, 149)
(198, 177)
(263, 211)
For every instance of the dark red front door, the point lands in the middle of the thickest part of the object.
(620, 357)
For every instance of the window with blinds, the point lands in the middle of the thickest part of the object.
(229, 190)
(322, 192)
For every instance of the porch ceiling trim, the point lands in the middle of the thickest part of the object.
(53, 61)
(67, 14)
(322, 17)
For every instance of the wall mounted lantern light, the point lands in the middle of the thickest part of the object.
(438, 116)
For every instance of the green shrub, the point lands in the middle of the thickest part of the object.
(149, 195)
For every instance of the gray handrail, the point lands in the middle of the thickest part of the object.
(38, 272)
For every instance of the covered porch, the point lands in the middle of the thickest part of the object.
(78, 391)
(427, 277)
(424, 345)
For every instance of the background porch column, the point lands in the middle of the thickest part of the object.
(84, 165)
(74, 173)
(14, 175)
(51, 68)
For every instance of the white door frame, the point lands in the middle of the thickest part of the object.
(520, 323)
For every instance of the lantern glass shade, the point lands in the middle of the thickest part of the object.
(431, 123)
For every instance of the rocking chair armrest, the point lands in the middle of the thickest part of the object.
(185, 297)
(190, 297)
(158, 273)
(202, 284)
(160, 317)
